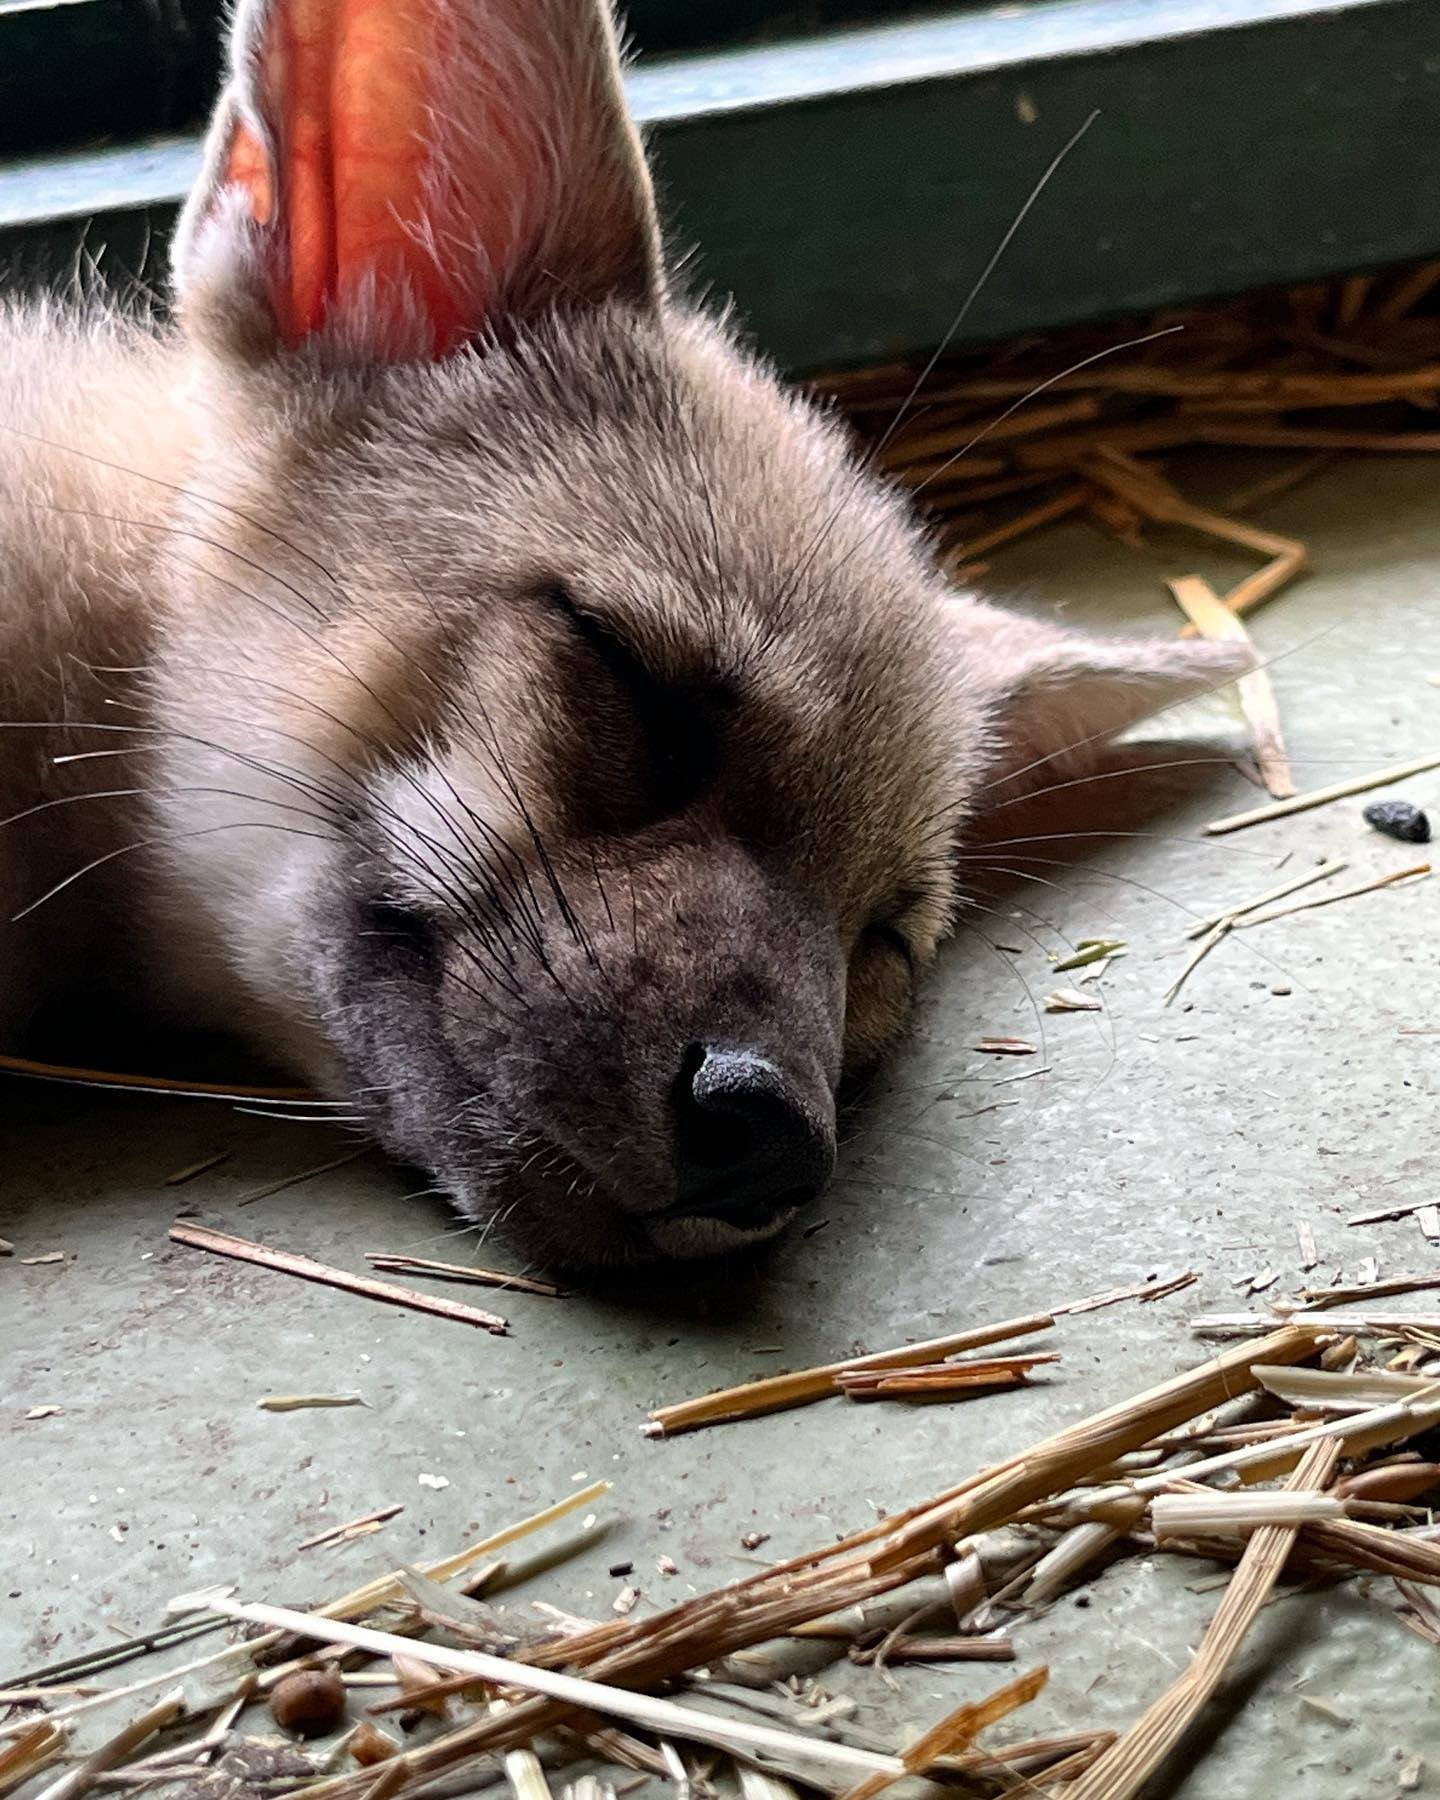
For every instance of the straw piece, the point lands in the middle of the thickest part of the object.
(336, 1532)
(78, 1780)
(1261, 436)
(37, 1746)
(1376, 1290)
(1271, 487)
(288, 1403)
(1407, 293)
(951, 1649)
(1077, 1549)
(755, 1784)
(1212, 939)
(303, 1175)
(148, 1084)
(1360, 1391)
(1392, 1553)
(1144, 1290)
(1128, 1764)
(1204, 1514)
(222, 1243)
(1390, 1424)
(955, 1732)
(1029, 421)
(202, 1167)
(1281, 891)
(1214, 620)
(1282, 392)
(1383, 1213)
(199, 1748)
(663, 1716)
(1337, 790)
(1062, 1772)
(395, 1264)
(941, 1378)
(523, 1770)
(1029, 1757)
(1417, 871)
(777, 1392)
(1362, 1323)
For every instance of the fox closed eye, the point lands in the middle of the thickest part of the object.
(669, 729)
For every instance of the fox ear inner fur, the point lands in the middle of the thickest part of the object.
(1053, 698)
(388, 179)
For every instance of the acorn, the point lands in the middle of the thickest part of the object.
(310, 1703)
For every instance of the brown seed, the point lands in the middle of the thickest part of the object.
(309, 1703)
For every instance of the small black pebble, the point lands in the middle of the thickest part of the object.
(621, 1569)
(1399, 819)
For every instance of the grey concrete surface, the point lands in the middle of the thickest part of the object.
(1295, 1082)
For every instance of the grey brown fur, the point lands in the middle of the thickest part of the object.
(508, 721)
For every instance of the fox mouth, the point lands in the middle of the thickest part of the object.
(684, 1237)
(571, 1219)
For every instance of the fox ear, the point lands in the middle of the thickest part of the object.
(391, 178)
(1053, 697)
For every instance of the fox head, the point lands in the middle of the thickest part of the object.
(566, 736)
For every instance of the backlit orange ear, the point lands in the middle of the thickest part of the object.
(395, 175)
(248, 167)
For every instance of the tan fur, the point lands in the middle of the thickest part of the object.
(512, 724)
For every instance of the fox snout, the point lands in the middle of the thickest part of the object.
(753, 1143)
(750, 1143)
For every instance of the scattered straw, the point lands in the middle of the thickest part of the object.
(998, 1494)
(147, 1084)
(1370, 1290)
(286, 1403)
(1337, 790)
(303, 1175)
(777, 1392)
(37, 1746)
(955, 1732)
(941, 1381)
(202, 1167)
(392, 1263)
(337, 1533)
(504, 1673)
(1416, 872)
(222, 1243)
(1128, 1764)
(1144, 1290)
(1214, 620)
(81, 1778)
(1281, 891)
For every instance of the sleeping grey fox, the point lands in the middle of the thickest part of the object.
(445, 659)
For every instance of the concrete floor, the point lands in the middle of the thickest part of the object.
(1295, 1083)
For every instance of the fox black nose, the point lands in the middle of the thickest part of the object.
(750, 1145)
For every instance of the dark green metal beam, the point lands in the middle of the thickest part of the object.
(847, 188)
